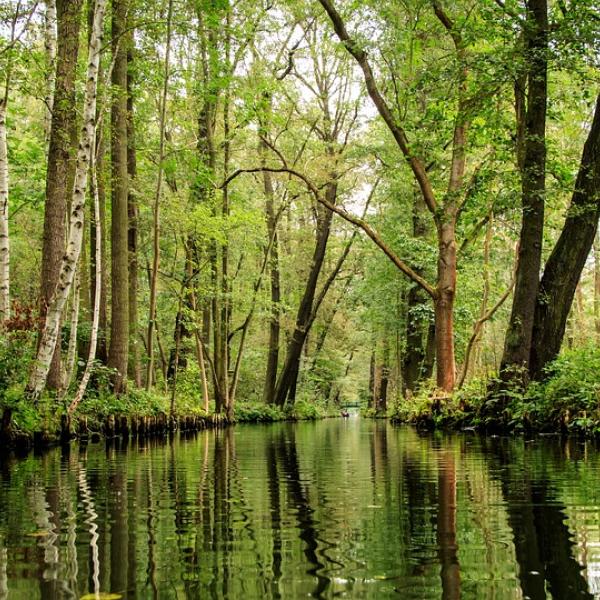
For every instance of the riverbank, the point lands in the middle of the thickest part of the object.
(137, 414)
(566, 402)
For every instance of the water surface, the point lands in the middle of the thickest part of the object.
(350, 508)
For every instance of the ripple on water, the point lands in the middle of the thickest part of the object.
(337, 508)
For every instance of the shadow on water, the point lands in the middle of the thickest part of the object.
(345, 507)
(543, 543)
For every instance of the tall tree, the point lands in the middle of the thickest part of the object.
(445, 212)
(531, 148)
(4, 230)
(50, 45)
(68, 266)
(133, 215)
(118, 354)
(157, 199)
(59, 175)
(568, 257)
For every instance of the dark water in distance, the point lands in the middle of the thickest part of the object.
(351, 508)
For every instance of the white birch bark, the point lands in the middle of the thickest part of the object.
(97, 290)
(72, 351)
(4, 233)
(50, 36)
(39, 373)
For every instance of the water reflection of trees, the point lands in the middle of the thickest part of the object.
(289, 511)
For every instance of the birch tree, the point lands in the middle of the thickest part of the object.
(50, 331)
(50, 46)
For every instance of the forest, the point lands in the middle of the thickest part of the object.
(281, 208)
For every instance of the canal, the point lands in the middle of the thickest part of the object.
(337, 508)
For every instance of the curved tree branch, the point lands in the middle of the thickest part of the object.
(357, 221)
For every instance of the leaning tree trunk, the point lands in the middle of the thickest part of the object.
(118, 353)
(286, 385)
(68, 267)
(569, 255)
(517, 345)
(59, 172)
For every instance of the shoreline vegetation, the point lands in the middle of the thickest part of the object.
(566, 403)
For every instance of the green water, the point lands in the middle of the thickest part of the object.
(350, 508)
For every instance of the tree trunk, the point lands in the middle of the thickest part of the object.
(156, 217)
(286, 385)
(72, 350)
(118, 353)
(135, 369)
(98, 227)
(225, 317)
(517, 345)
(59, 173)
(376, 388)
(274, 324)
(381, 398)
(4, 232)
(50, 47)
(98, 263)
(565, 264)
(597, 287)
(68, 266)
(444, 308)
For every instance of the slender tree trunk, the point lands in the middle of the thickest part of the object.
(225, 316)
(376, 389)
(98, 227)
(68, 266)
(200, 353)
(59, 172)
(371, 390)
(72, 349)
(176, 355)
(135, 369)
(98, 263)
(517, 347)
(157, 196)
(118, 353)
(569, 255)
(274, 323)
(597, 286)
(478, 327)
(50, 46)
(4, 230)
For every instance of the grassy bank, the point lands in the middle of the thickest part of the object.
(136, 413)
(567, 401)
